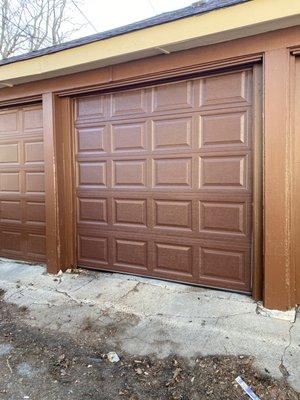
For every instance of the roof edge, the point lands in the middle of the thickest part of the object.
(189, 11)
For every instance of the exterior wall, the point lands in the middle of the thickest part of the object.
(274, 49)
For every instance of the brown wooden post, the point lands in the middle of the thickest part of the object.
(51, 185)
(66, 170)
(58, 183)
(257, 260)
(295, 99)
(278, 279)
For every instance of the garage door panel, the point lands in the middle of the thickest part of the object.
(145, 232)
(225, 218)
(173, 214)
(217, 170)
(172, 133)
(173, 260)
(10, 181)
(33, 152)
(132, 254)
(9, 122)
(128, 137)
(223, 130)
(23, 226)
(214, 216)
(129, 173)
(93, 249)
(32, 119)
(228, 266)
(224, 172)
(92, 174)
(172, 172)
(10, 211)
(34, 212)
(226, 89)
(34, 182)
(93, 106)
(131, 102)
(174, 200)
(93, 140)
(182, 97)
(22, 198)
(11, 243)
(174, 96)
(94, 211)
(130, 212)
(36, 245)
(181, 133)
(9, 153)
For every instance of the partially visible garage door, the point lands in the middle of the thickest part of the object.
(22, 202)
(164, 181)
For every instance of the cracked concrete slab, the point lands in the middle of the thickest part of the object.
(144, 316)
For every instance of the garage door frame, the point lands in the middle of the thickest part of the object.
(257, 184)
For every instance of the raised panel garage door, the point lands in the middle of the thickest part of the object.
(163, 181)
(22, 201)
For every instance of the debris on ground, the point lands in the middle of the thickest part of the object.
(48, 364)
(247, 389)
(113, 357)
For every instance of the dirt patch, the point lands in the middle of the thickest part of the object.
(49, 365)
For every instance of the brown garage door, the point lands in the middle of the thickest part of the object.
(22, 203)
(164, 181)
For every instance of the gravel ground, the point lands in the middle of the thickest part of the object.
(37, 365)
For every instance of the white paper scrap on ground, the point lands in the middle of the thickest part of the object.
(113, 357)
(247, 389)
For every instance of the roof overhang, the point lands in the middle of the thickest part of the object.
(238, 21)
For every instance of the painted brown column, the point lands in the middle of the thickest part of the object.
(278, 279)
(65, 179)
(58, 183)
(51, 184)
(296, 178)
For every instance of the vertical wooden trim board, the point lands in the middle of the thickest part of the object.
(257, 257)
(296, 177)
(51, 184)
(277, 180)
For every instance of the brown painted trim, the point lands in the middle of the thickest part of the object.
(257, 256)
(201, 69)
(23, 101)
(295, 125)
(53, 249)
(277, 219)
(59, 184)
(291, 174)
(66, 182)
(72, 138)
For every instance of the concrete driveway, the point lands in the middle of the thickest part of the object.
(145, 316)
